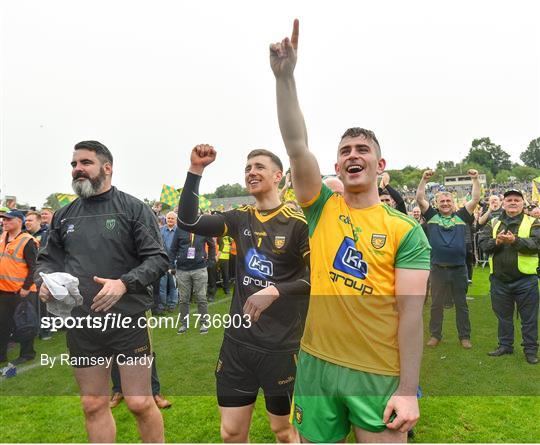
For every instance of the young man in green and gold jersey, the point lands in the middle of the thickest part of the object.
(362, 346)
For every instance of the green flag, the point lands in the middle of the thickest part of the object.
(169, 195)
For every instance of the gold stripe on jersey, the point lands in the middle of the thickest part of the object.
(263, 218)
(292, 211)
(289, 213)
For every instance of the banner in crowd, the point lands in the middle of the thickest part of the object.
(290, 195)
(169, 195)
(65, 198)
(536, 189)
(204, 203)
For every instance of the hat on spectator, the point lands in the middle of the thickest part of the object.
(13, 214)
(513, 192)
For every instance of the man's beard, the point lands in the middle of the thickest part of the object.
(89, 186)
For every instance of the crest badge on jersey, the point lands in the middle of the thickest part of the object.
(378, 240)
(279, 241)
(298, 414)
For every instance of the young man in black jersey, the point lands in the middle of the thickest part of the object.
(270, 297)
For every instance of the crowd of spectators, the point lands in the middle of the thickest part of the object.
(216, 256)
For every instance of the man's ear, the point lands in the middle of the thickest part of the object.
(381, 166)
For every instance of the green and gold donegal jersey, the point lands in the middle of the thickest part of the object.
(353, 319)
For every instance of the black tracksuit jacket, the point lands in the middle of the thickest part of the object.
(112, 235)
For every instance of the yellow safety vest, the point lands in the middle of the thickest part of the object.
(224, 254)
(527, 262)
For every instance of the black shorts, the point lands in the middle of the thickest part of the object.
(88, 342)
(241, 371)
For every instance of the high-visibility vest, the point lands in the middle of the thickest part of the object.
(527, 263)
(226, 250)
(13, 267)
(215, 245)
(233, 247)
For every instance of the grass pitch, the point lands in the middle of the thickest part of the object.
(467, 396)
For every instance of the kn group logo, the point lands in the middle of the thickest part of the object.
(349, 260)
(258, 265)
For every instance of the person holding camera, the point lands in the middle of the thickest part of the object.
(513, 242)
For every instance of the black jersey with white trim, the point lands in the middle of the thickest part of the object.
(271, 249)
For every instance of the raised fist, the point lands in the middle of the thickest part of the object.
(202, 155)
(472, 173)
(427, 174)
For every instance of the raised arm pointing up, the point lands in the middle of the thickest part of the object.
(306, 175)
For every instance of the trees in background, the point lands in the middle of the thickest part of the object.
(531, 156)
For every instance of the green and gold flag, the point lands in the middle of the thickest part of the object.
(536, 189)
(169, 195)
(204, 203)
(290, 195)
(64, 198)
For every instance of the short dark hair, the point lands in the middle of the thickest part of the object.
(263, 152)
(102, 152)
(354, 132)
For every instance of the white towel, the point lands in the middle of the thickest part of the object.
(65, 290)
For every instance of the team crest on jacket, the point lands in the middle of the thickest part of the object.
(110, 223)
(378, 240)
(279, 241)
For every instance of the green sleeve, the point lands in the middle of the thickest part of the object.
(414, 250)
(313, 209)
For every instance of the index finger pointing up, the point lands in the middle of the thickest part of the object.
(295, 32)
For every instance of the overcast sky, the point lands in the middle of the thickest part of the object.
(152, 79)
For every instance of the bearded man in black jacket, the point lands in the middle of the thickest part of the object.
(110, 241)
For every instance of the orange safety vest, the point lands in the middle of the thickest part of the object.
(233, 248)
(13, 267)
(216, 247)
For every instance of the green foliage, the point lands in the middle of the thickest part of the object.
(446, 165)
(489, 155)
(228, 191)
(531, 156)
(52, 201)
(525, 173)
(449, 168)
(409, 176)
(503, 176)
